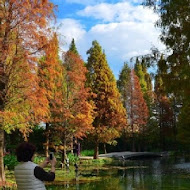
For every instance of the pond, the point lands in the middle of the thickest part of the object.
(147, 174)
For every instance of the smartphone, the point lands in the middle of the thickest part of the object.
(51, 155)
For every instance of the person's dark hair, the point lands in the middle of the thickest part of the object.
(25, 151)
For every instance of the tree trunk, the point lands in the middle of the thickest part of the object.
(71, 144)
(64, 153)
(2, 171)
(142, 142)
(133, 142)
(105, 151)
(96, 150)
(139, 144)
(162, 137)
(47, 140)
(64, 156)
(175, 125)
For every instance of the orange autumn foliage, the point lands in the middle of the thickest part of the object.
(78, 111)
(24, 28)
(23, 36)
(137, 106)
(50, 74)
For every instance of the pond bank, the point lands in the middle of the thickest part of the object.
(161, 173)
(87, 169)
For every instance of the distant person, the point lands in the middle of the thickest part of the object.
(30, 176)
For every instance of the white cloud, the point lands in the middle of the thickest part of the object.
(126, 39)
(128, 31)
(123, 11)
(102, 11)
(68, 29)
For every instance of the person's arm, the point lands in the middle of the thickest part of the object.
(42, 175)
(52, 168)
(53, 163)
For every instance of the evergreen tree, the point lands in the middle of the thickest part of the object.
(110, 115)
(123, 83)
(145, 82)
(164, 108)
(175, 25)
(147, 77)
(73, 48)
(183, 135)
(139, 71)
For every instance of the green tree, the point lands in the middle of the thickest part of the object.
(183, 135)
(110, 115)
(140, 72)
(164, 109)
(147, 76)
(145, 82)
(73, 48)
(175, 25)
(123, 83)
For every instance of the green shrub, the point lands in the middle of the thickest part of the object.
(10, 161)
(87, 153)
(72, 158)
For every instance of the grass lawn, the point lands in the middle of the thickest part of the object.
(86, 172)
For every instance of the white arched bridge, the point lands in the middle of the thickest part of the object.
(132, 155)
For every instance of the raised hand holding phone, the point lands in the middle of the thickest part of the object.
(53, 161)
(51, 155)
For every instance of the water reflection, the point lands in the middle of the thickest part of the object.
(157, 174)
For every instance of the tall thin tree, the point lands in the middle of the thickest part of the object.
(77, 109)
(110, 115)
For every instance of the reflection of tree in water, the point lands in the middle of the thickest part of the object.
(154, 174)
(107, 184)
(158, 174)
(142, 176)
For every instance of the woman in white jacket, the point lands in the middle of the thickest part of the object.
(30, 176)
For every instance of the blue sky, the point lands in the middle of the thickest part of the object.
(124, 28)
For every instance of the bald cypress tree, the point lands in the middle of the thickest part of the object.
(77, 110)
(50, 73)
(110, 115)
